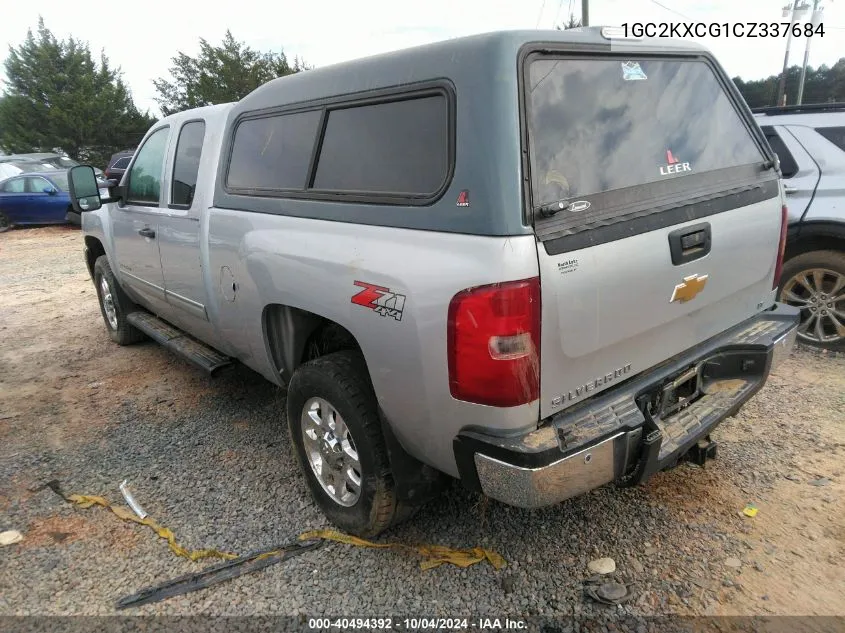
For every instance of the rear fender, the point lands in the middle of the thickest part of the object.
(815, 236)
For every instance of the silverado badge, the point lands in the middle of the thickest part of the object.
(689, 288)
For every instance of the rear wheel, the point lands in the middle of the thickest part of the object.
(815, 283)
(336, 434)
(5, 222)
(114, 305)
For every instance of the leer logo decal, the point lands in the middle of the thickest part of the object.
(674, 166)
(380, 299)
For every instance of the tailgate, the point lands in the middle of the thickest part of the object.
(657, 217)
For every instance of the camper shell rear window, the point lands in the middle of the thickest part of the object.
(601, 124)
(618, 146)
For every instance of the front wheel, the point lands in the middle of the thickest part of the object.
(815, 283)
(114, 304)
(336, 434)
(5, 222)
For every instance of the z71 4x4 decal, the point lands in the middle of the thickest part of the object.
(380, 299)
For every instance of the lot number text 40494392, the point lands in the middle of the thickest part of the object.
(416, 624)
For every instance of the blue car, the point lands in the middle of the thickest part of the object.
(36, 198)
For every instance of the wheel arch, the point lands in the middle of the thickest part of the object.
(93, 249)
(815, 236)
(294, 336)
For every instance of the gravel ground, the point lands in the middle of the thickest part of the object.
(210, 459)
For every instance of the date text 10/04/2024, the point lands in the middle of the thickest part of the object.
(417, 624)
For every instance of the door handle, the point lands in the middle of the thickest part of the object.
(147, 232)
(788, 190)
(690, 243)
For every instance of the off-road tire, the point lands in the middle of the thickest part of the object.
(341, 378)
(124, 333)
(830, 260)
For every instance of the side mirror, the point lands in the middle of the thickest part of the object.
(84, 190)
(49, 190)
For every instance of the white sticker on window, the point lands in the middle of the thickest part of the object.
(631, 71)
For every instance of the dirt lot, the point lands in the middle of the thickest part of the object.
(209, 458)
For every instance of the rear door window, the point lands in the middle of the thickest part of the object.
(186, 164)
(598, 125)
(15, 186)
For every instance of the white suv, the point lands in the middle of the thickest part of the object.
(810, 143)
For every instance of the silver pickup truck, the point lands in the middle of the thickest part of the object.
(535, 262)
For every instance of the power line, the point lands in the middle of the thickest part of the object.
(540, 15)
(663, 6)
(557, 13)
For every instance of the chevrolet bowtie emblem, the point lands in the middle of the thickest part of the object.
(689, 288)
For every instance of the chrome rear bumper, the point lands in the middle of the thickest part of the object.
(610, 439)
(547, 485)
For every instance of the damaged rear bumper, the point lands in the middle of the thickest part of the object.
(635, 429)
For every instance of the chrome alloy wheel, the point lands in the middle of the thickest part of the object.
(820, 294)
(108, 302)
(331, 451)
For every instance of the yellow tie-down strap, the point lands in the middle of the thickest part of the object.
(432, 555)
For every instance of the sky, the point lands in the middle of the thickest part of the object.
(142, 37)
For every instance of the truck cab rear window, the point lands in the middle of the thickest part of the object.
(597, 125)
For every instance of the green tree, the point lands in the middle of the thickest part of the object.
(571, 23)
(219, 74)
(57, 98)
(821, 85)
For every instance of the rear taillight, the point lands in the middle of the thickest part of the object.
(493, 343)
(781, 247)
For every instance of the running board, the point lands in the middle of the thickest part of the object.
(178, 342)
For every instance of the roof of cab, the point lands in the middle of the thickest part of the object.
(204, 112)
(469, 56)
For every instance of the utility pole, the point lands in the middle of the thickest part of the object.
(782, 83)
(585, 12)
(814, 20)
